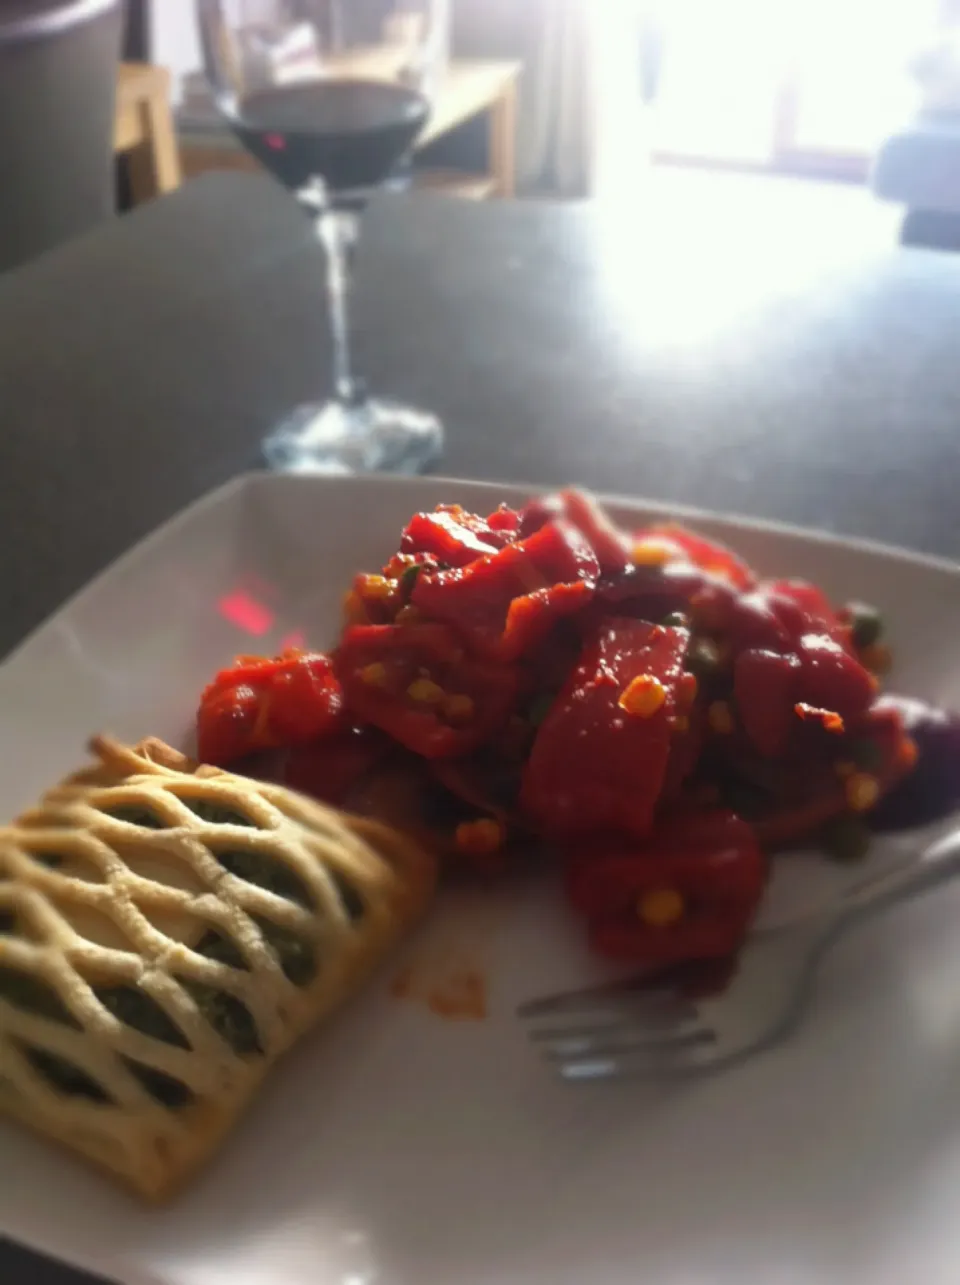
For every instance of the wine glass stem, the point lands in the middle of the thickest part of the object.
(338, 231)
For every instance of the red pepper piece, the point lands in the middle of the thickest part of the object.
(881, 728)
(709, 555)
(225, 723)
(530, 619)
(451, 535)
(486, 781)
(651, 593)
(711, 862)
(267, 704)
(378, 665)
(831, 678)
(504, 520)
(504, 604)
(804, 609)
(535, 514)
(778, 613)
(304, 700)
(330, 768)
(593, 766)
(766, 687)
(610, 544)
(756, 624)
(794, 825)
(252, 670)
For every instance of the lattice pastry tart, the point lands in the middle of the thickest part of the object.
(166, 932)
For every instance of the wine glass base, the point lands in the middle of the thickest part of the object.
(372, 437)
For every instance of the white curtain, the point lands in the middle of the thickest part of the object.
(556, 118)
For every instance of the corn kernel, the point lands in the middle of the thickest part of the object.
(458, 708)
(660, 907)
(354, 612)
(643, 697)
(426, 691)
(845, 769)
(374, 675)
(652, 551)
(862, 791)
(479, 838)
(408, 615)
(720, 718)
(376, 587)
(681, 723)
(908, 754)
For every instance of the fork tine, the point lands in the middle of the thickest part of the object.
(597, 999)
(655, 1062)
(598, 1031)
(657, 1017)
(576, 1047)
(666, 1013)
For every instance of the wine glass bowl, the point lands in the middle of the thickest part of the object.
(330, 96)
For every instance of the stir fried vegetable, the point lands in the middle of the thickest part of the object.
(641, 700)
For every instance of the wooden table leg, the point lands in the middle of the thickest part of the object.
(154, 164)
(503, 141)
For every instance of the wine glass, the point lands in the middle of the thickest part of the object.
(330, 96)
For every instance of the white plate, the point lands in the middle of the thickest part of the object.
(400, 1149)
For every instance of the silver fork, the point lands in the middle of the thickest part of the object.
(634, 1027)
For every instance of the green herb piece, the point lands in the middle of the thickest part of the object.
(138, 1010)
(223, 949)
(31, 995)
(408, 581)
(165, 1089)
(66, 1077)
(295, 956)
(228, 1016)
(135, 814)
(703, 658)
(215, 813)
(265, 872)
(866, 624)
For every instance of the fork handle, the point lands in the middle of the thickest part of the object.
(937, 865)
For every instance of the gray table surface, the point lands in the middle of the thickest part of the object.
(730, 368)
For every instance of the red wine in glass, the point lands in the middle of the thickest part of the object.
(330, 97)
(350, 133)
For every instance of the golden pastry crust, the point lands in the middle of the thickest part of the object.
(167, 931)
